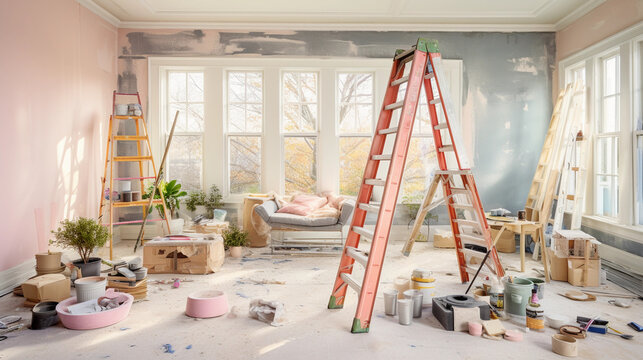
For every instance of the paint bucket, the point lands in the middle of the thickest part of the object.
(127, 196)
(405, 311)
(401, 285)
(44, 315)
(136, 195)
(539, 284)
(90, 288)
(121, 109)
(535, 317)
(390, 302)
(416, 296)
(423, 280)
(517, 295)
(126, 186)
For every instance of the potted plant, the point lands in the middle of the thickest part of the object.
(172, 194)
(83, 235)
(210, 202)
(235, 239)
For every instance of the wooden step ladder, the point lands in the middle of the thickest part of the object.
(458, 184)
(142, 156)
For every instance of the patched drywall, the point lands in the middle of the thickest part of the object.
(506, 91)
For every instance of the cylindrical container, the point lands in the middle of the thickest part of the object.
(535, 317)
(424, 281)
(416, 296)
(405, 311)
(475, 328)
(140, 273)
(121, 109)
(126, 196)
(126, 185)
(136, 195)
(539, 285)
(481, 295)
(390, 302)
(517, 295)
(564, 345)
(44, 315)
(89, 288)
(206, 304)
(497, 297)
(48, 261)
(522, 215)
(401, 285)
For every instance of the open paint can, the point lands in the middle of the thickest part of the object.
(424, 281)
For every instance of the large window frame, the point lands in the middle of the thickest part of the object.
(627, 45)
(215, 145)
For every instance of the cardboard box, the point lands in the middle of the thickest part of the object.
(443, 239)
(183, 256)
(507, 241)
(557, 266)
(572, 243)
(50, 287)
(575, 270)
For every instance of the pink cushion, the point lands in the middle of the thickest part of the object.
(303, 204)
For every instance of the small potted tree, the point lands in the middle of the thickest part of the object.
(83, 235)
(235, 239)
(172, 194)
(205, 204)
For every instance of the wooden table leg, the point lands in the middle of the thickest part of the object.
(522, 249)
(541, 236)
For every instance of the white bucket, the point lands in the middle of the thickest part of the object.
(121, 109)
(90, 288)
(424, 281)
(126, 186)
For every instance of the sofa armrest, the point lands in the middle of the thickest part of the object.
(347, 211)
(266, 210)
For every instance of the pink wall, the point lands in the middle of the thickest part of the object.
(58, 71)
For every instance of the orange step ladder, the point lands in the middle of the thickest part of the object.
(469, 225)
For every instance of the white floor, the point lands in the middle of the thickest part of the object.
(312, 331)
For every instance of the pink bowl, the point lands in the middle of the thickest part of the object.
(95, 320)
(206, 304)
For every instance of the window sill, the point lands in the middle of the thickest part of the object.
(610, 225)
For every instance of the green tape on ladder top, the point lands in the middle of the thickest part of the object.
(428, 45)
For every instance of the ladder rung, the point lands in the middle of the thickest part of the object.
(435, 101)
(405, 53)
(463, 206)
(473, 253)
(382, 157)
(430, 75)
(136, 178)
(387, 131)
(453, 172)
(129, 138)
(460, 191)
(473, 239)
(125, 117)
(446, 148)
(472, 270)
(132, 222)
(135, 203)
(132, 158)
(466, 222)
(375, 182)
(369, 208)
(351, 282)
(360, 230)
(395, 105)
(399, 81)
(441, 126)
(357, 254)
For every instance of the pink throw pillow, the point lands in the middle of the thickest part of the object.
(303, 204)
(295, 209)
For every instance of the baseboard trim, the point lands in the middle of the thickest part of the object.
(16, 275)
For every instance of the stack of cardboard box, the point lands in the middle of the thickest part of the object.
(574, 258)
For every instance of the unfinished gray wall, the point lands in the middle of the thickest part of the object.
(506, 90)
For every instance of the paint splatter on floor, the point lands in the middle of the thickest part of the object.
(167, 348)
(242, 295)
(188, 347)
(124, 328)
(281, 261)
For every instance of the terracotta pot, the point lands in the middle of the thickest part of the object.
(236, 251)
(48, 261)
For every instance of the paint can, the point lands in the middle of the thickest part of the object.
(136, 195)
(126, 185)
(535, 315)
(423, 280)
(517, 295)
(127, 196)
(401, 284)
(405, 311)
(416, 296)
(390, 302)
(121, 109)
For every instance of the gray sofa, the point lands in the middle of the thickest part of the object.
(286, 222)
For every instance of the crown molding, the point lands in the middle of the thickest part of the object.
(102, 13)
(577, 14)
(238, 26)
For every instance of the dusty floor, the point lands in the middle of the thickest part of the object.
(313, 332)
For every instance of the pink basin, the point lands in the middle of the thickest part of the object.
(206, 304)
(95, 320)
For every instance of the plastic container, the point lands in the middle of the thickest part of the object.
(424, 281)
(517, 295)
(390, 302)
(94, 320)
(416, 296)
(539, 284)
(126, 185)
(497, 296)
(405, 311)
(44, 315)
(206, 304)
(89, 288)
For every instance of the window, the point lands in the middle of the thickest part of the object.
(355, 94)
(607, 139)
(185, 158)
(299, 128)
(244, 129)
(638, 127)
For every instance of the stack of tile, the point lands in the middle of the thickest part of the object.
(129, 277)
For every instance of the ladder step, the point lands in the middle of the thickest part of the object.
(363, 232)
(136, 178)
(351, 282)
(435, 101)
(446, 148)
(382, 157)
(472, 270)
(125, 117)
(135, 203)
(473, 239)
(473, 253)
(441, 126)
(129, 138)
(405, 53)
(466, 222)
(463, 206)
(399, 81)
(387, 131)
(357, 254)
(453, 172)
(369, 208)
(460, 191)
(430, 75)
(132, 158)
(395, 105)
(132, 222)
(375, 182)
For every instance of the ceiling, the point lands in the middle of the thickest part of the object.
(427, 15)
